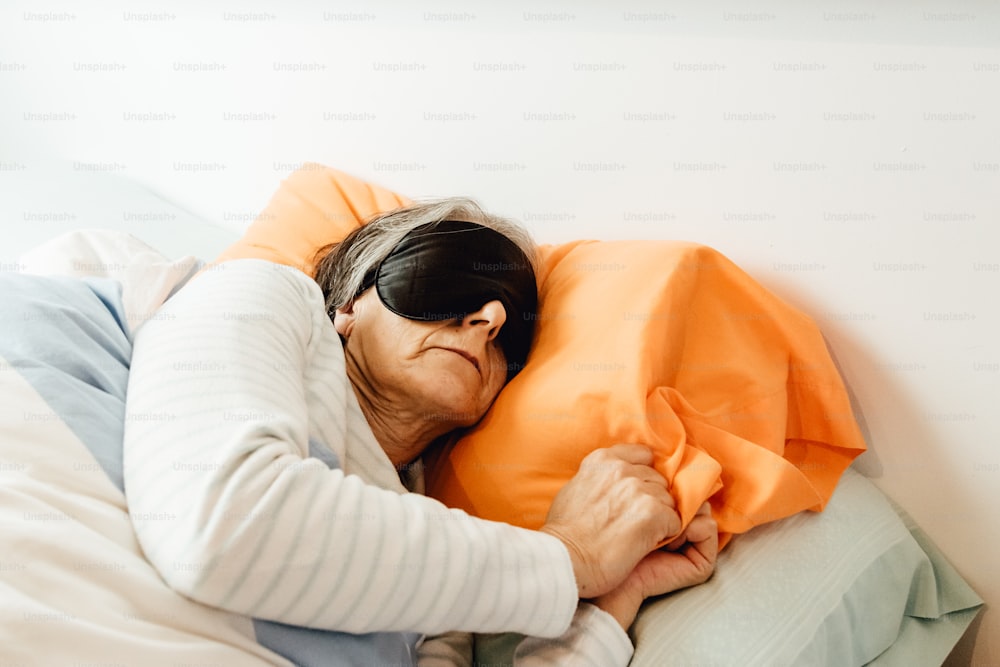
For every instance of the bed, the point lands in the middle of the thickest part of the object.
(858, 583)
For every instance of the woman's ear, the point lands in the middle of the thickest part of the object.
(344, 319)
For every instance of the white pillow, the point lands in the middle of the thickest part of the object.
(147, 277)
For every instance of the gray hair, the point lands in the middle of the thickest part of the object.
(342, 267)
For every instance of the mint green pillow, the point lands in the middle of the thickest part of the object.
(856, 584)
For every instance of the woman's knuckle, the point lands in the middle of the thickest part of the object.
(596, 459)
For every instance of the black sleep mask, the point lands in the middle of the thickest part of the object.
(448, 269)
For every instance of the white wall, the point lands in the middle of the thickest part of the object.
(848, 156)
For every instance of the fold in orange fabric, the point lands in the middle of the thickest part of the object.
(663, 343)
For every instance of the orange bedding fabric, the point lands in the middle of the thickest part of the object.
(664, 343)
(313, 207)
(671, 345)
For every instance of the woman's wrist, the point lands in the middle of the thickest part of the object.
(622, 605)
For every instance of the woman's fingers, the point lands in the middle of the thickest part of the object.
(611, 514)
(637, 454)
(701, 527)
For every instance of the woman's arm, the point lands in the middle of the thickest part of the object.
(227, 382)
(594, 639)
(688, 560)
(598, 635)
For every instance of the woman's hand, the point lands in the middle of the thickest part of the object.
(613, 512)
(687, 561)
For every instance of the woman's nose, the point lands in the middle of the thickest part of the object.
(491, 315)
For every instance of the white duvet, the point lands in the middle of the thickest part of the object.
(851, 585)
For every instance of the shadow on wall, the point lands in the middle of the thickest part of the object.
(926, 455)
(868, 464)
(961, 655)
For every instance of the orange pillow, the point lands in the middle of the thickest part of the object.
(313, 207)
(659, 342)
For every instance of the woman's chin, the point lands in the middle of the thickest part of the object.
(453, 396)
(457, 413)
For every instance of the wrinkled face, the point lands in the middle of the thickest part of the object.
(445, 270)
(447, 371)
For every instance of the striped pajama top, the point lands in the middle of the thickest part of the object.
(266, 494)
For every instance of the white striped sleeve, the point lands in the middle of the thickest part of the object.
(232, 512)
(595, 639)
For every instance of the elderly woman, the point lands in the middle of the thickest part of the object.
(285, 486)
